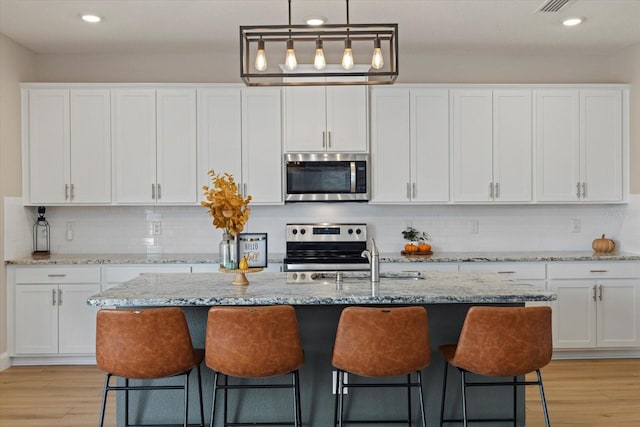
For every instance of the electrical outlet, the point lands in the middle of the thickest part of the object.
(576, 225)
(69, 234)
(334, 382)
(156, 228)
(475, 226)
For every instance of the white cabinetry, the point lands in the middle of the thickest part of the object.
(67, 146)
(326, 118)
(410, 145)
(155, 146)
(598, 305)
(579, 145)
(492, 145)
(50, 315)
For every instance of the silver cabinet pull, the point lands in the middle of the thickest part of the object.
(56, 275)
(597, 271)
(244, 190)
(413, 190)
(153, 191)
(53, 297)
(497, 186)
(329, 139)
(584, 190)
(72, 195)
(66, 191)
(594, 292)
(491, 190)
(600, 294)
(59, 296)
(578, 190)
(324, 139)
(408, 190)
(506, 272)
(159, 192)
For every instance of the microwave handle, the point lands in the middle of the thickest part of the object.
(353, 176)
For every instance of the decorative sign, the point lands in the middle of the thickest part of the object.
(253, 246)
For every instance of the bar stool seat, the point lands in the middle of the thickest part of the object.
(381, 342)
(500, 342)
(254, 342)
(143, 344)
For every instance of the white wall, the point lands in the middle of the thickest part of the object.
(16, 64)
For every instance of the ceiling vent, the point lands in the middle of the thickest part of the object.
(553, 5)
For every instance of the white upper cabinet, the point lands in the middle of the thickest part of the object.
(155, 146)
(410, 145)
(327, 118)
(68, 145)
(492, 145)
(579, 145)
(262, 145)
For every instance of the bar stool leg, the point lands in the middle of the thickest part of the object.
(341, 397)
(422, 411)
(515, 402)
(226, 400)
(200, 395)
(104, 399)
(126, 403)
(296, 399)
(213, 401)
(544, 401)
(464, 398)
(186, 399)
(409, 400)
(444, 393)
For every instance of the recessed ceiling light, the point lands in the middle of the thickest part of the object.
(572, 22)
(316, 20)
(91, 18)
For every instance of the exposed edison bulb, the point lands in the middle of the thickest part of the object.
(290, 59)
(347, 56)
(261, 58)
(377, 61)
(319, 62)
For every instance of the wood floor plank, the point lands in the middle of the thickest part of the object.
(585, 393)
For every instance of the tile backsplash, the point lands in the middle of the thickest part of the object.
(452, 228)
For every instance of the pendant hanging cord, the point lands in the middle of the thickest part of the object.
(347, 12)
(289, 15)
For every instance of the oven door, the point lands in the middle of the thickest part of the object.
(326, 177)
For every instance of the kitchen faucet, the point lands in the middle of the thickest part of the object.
(374, 261)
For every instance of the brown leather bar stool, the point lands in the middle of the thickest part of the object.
(254, 342)
(381, 342)
(500, 342)
(143, 344)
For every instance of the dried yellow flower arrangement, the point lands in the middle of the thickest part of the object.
(225, 204)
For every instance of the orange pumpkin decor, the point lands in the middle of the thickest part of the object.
(424, 247)
(603, 245)
(409, 247)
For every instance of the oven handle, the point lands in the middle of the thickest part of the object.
(353, 176)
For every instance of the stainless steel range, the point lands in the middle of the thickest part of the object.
(323, 248)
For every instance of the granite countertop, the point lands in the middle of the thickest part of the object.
(204, 258)
(208, 289)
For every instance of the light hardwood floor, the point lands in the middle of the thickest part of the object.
(588, 393)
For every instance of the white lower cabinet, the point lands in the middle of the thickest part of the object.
(50, 312)
(598, 305)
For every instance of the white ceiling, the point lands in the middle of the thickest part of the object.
(170, 26)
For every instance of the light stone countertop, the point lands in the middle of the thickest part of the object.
(211, 258)
(208, 289)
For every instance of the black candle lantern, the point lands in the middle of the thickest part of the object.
(41, 235)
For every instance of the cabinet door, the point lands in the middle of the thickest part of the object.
(135, 145)
(48, 147)
(219, 133)
(90, 146)
(176, 146)
(429, 145)
(618, 313)
(574, 314)
(472, 145)
(305, 118)
(262, 144)
(601, 148)
(347, 118)
(390, 145)
(76, 319)
(512, 145)
(36, 319)
(557, 145)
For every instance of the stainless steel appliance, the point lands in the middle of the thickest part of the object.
(326, 177)
(313, 249)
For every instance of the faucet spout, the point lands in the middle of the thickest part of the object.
(373, 256)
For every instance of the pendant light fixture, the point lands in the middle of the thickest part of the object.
(351, 42)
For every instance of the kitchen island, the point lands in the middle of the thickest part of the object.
(446, 296)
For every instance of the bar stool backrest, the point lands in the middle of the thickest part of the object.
(505, 341)
(379, 342)
(143, 343)
(253, 342)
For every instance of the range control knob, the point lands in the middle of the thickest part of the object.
(358, 231)
(350, 231)
(294, 231)
(303, 231)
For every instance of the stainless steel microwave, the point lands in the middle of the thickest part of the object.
(326, 177)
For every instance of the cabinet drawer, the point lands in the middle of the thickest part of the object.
(121, 274)
(594, 270)
(58, 275)
(510, 270)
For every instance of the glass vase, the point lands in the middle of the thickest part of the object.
(227, 252)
